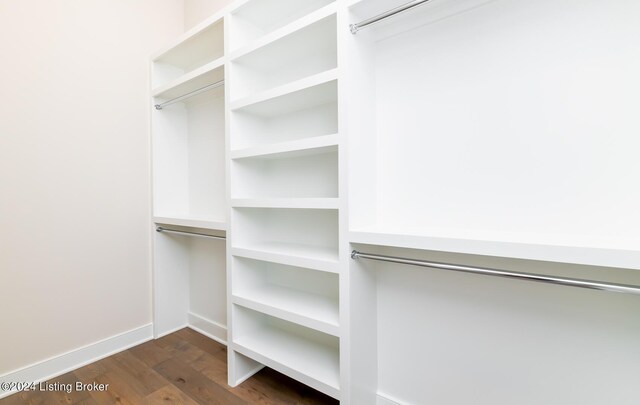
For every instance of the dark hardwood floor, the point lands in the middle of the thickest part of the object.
(184, 367)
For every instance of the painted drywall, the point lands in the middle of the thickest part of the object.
(74, 171)
(196, 11)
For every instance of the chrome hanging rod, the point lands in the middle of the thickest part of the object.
(571, 282)
(370, 21)
(203, 235)
(190, 94)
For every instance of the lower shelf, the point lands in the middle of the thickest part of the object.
(303, 354)
(311, 310)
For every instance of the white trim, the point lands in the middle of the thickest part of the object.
(170, 331)
(384, 399)
(76, 358)
(209, 328)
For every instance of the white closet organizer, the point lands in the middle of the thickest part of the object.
(188, 145)
(453, 131)
(489, 160)
(284, 189)
(484, 145)
(189, 283)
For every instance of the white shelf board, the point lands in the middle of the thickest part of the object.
(293, 96)
(313, 258)
(285, 31)
(194, 221)
(290, 149)
(311, 310)
(208, 74)
(199, 29)
(311, 363)
(574, 249)
(307, 203)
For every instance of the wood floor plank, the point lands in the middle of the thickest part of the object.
(185, 367)
(200, 341)
(48, 392)
(23, 398)
(151, 353)
(117, 392)
(132, 368)
(87, 401)
(169, 395)
(74, 396)
(268, 387)
(196, 385)
(212, 367)
(179, 347)
(91, 371)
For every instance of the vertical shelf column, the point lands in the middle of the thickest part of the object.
(188, 178)
(284, 146)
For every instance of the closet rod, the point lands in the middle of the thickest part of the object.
(370, 21)
(190, 94)
(571, 282)
(203, 235)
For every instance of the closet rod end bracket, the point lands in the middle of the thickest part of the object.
(354, 28)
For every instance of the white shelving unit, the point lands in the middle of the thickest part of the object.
(189, 284)
(313, 175)
(192, 54)
(305, 109)
(189, 183)
(476, 167)
(302, 53)
(304, 354)
(457, 131)
(284, 185)
(255, 23)
(300, 295)
(487, 142)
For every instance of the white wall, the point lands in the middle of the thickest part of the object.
(197, 10)
(74, 170)
(453, 338)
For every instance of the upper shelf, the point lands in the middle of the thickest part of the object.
(193, 221)
(302, 53)
(574, 249)
(208, 74)
(315, 90)
(195, 49)
(258, 18)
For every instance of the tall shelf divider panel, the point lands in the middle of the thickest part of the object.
(285, 259)
(188, 176)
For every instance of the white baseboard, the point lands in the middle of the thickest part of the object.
(384, 399)
(74, 359)
(158, 335)
(209, 328)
